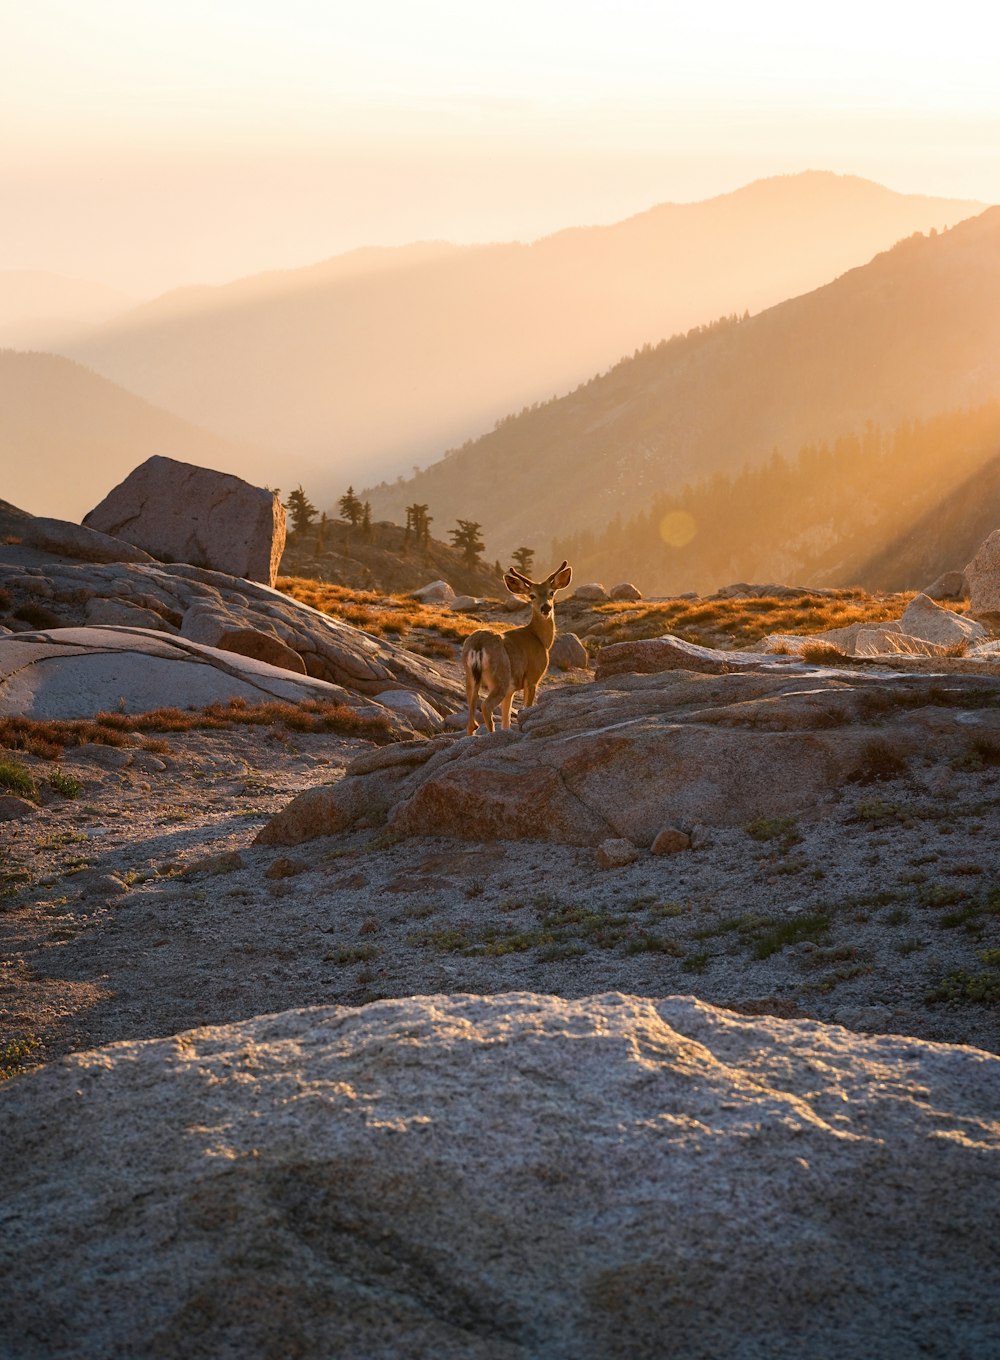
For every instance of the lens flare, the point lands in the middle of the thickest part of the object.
(678, 528)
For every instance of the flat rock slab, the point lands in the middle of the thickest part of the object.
(625, 757)
(504, 1177)
(77, 672)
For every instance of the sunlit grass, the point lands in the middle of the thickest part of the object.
(48, 738)
(395, 616)
(743, 621)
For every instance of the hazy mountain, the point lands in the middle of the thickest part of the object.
(39, 310)
(361, 366)
(914, 332)
(68, 436)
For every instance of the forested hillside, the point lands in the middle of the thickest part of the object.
(812, 519)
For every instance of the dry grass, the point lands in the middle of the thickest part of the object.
(48, 738)
(396, 616)
(740, 622)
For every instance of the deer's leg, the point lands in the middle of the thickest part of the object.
(529, 693)
(508, 699)
(471, 694)
(494, 696)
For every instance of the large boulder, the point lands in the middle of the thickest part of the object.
(923, 618)
(489, 1178)
(182, 513)
(983, 576)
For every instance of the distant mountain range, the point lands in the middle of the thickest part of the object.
(359, 367)
(68, 436)
(913, 333)
(40, 310)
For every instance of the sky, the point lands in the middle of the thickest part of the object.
(149, 145)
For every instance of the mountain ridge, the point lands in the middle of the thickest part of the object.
(914, 332)
(391, 357)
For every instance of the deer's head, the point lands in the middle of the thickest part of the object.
(541, 593)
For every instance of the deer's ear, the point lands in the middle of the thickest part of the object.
(515, 584)
(561, 577)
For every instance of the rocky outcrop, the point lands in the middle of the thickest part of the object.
(625, 757)
(77, 672)
(76, 541)
(487, 1178)
(218, 611)
(182, 513)
(651, 655)
(261, 647)
(983, 576)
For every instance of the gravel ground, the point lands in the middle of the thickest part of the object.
(140, 907)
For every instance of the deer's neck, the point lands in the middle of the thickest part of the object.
(543, 629)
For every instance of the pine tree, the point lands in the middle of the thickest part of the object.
(524, 560)
(301, 509)
(350, 507)
(366, 521)
(466, 539)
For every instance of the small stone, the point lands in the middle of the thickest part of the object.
(626, 591)
(591, 592)
(670, 840)
(13, 808)
(435, 592)
(615, 853)
(863, 1017)
(97, 884)
(107, 757)
(224, 863)
(283, 867)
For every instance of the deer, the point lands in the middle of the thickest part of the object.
(515, 660)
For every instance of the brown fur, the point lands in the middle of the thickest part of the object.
(515, 660)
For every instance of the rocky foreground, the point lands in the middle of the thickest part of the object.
(513, 1176)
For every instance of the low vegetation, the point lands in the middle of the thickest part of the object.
(740, 621)
(49, 738)
(395, 616)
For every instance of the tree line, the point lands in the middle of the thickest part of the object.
(466, 537)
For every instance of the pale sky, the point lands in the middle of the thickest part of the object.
(150, 144)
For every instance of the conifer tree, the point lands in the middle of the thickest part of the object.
(301, 509)
(466, 539)
(524, 560)
(350, 507)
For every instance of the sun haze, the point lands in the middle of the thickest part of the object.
(164, 145)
